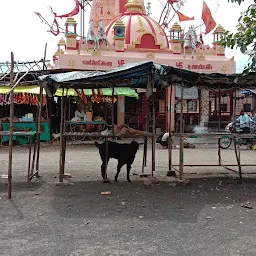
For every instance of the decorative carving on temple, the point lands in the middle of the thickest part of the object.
(200, 57)
(71, 62)
(150, 55)
(224, 68)
(96, 53)
(141, 28)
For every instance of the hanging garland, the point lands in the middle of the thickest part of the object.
(21, 98)
(4, 99)
(81, 95)
(96, 97)
(103, 100)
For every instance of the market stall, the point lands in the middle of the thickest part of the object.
(139, 75)
(26, 127)
(26, 100)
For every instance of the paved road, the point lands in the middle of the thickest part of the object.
(146, 217)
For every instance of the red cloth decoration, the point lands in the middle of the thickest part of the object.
(175, 1)
(183, 17)
(54, 32)
(72, 13)
(81, 95)
(207, 18)
(57, 31)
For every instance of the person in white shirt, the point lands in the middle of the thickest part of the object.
(244, 122)
(80, 115)
(163, 139)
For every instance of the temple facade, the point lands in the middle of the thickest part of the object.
(121, 32)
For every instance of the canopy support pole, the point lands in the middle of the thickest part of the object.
(113, 109)
(237, 145)
(39, 115)
(11, 128)
(170, 172)
(154, 125)
(64, 147)
(181, 167)
(219, 128)
(61, 170)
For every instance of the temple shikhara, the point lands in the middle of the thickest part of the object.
(121, 32)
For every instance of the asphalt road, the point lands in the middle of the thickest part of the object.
(147, 217)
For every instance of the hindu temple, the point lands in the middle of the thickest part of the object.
(121, 32)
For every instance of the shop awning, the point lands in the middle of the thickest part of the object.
(133, 75)
(21, 89)
(128, 92)
(138, 75)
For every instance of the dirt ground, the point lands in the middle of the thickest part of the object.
(209, 217)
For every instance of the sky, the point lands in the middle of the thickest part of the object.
(25, 35)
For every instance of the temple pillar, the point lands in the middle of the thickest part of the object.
(204, 107)
(120, 110)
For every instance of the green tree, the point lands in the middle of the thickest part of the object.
(237, 1)
(245, 36)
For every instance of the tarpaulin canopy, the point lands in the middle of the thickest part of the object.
(201, 80)
(129, 75)
(145, 75)
(253, 90)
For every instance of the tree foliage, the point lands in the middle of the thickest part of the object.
(237, 1)
(245, 36)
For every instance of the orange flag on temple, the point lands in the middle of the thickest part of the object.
(183, 17)
(207, 18)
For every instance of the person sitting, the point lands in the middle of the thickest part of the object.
(244, 122)
(80, 115)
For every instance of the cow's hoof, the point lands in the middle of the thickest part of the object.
(106, 181)
(129, 180)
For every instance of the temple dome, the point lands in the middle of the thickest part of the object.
(142, 32)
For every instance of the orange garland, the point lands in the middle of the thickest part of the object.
(26, 98)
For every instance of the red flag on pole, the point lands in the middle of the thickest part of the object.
(207, 18)
(183, 17)
(173, 1)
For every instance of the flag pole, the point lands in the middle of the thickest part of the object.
(201, 22)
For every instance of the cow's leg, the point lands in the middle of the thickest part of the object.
(119, 166)
(128, 172)
(104, 170)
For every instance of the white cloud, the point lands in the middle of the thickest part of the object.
(25, 35)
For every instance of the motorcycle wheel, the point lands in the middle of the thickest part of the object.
(225, 142)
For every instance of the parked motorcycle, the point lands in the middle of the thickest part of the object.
(231, 128)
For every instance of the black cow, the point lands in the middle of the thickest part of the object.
(124, 153)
